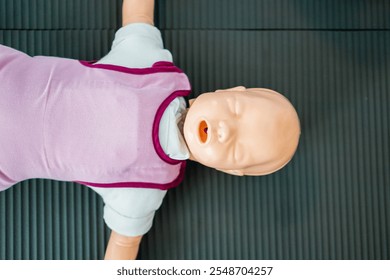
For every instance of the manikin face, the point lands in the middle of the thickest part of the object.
(242, 131)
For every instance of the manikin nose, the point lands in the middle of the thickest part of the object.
(223, 131)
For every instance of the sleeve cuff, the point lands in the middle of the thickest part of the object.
(138, 29)
(127, 226)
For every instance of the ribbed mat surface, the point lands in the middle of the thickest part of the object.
(330, 58)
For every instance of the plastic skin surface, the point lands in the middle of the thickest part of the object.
(242, 131)
(122, 247)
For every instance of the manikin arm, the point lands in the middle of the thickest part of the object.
(134, 11)
(122, 247)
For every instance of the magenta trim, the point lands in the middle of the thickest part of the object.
(156, 125)
(166, 186)
(158, 67)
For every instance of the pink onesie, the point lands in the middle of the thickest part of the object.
(69, 120)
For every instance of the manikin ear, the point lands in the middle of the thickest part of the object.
(191, 101)
(234, 172)
(239, 88)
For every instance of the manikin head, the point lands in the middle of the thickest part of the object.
(242, 131)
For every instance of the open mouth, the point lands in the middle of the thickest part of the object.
(203, 132)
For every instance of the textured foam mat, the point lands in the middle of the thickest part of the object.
(330, 58)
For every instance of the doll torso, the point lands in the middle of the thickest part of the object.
(78, 122)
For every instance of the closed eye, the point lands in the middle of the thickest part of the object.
(234, 106)
(237, 108)
(231, 104)
(238, 153)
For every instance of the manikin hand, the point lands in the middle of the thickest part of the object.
(122, 247)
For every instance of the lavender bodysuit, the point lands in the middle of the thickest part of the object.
(98, 125)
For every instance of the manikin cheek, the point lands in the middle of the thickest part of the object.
(214, 156)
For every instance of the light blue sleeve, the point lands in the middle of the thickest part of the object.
(130, 211)
(137, 45)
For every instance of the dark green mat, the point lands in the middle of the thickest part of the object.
(330, 58)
